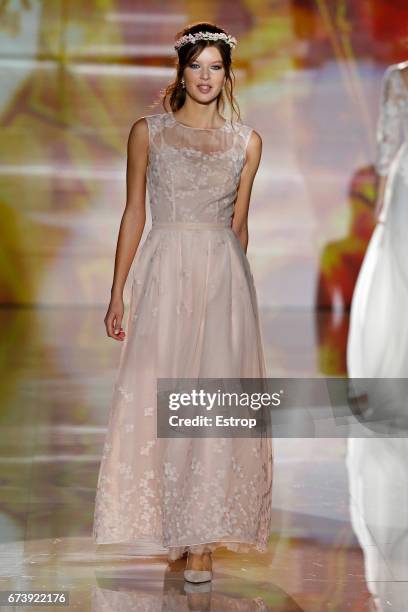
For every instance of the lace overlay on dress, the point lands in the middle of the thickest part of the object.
(393, 117)
(193, 174)
(193, 314)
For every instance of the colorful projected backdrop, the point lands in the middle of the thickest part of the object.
(74, 77)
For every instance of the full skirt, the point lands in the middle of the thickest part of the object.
(378, 335)
(193, 314)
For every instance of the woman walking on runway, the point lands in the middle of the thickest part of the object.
(193, 314)
(378, 336)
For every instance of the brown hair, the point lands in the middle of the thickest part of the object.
(176, 94)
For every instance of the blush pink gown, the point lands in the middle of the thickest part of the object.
(193, 314)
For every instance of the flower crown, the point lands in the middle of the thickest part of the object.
(192, 38)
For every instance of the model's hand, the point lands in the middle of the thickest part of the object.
(113, 319)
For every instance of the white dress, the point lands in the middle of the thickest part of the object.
(378, 334)
(193, 314)
(378, 349)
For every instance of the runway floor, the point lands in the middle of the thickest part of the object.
(340, 507)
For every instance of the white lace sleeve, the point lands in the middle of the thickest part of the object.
(389, 122)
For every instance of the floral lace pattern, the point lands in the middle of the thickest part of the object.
(393, 117)
(193, 314)
(193, 175)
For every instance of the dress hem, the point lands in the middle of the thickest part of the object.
(160, 550)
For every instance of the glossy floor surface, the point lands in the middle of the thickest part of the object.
(340, 507)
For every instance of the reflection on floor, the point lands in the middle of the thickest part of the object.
(339, 539)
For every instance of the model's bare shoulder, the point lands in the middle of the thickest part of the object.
(255, 139)
(254, 148)
(139, 132)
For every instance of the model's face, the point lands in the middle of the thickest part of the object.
(204, 76)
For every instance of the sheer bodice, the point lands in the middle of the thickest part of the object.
(193, 173)
(393, 119)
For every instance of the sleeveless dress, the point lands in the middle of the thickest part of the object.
(378, 335)
(193, 314)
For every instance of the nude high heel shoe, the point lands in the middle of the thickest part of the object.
(197, 575)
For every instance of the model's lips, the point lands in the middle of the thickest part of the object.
(204, 88)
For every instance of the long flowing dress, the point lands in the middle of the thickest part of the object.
(193, 314)
(378, 335)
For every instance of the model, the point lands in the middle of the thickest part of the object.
(378, 335)
(193, 314)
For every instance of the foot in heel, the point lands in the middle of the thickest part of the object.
(198, 568)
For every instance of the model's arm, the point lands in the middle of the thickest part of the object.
(382, 182)
(132, 224)
(388, 132)
(240, 218)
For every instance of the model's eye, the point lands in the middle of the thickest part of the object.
(194, 65)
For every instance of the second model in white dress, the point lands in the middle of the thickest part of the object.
(378, 336)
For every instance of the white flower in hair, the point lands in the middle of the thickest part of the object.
(192, 38)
